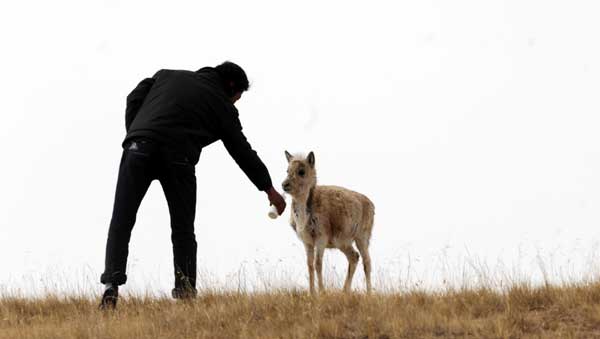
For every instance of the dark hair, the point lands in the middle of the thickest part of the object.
(232, 73)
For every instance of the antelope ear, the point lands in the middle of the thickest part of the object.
(311, 159)
(288, 156)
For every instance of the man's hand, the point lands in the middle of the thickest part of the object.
(276, 199)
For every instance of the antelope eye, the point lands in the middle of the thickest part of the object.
(301, 173)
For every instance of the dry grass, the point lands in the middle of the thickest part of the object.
(519, 312)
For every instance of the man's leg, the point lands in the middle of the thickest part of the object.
(135, 176)
(178, 179)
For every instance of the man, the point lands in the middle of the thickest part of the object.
(169, 119)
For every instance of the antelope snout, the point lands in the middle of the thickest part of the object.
(286, 186)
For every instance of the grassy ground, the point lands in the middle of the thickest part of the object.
(519, 312)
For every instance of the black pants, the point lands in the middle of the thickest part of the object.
(143, 161)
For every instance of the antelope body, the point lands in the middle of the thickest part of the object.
(328, 217)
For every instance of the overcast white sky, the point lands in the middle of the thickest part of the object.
(472, 125)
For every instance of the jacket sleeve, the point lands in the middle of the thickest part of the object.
(135, 99)
(240, 150)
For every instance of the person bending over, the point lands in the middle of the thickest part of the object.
(169, 118)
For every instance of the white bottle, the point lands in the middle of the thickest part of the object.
(273, 210)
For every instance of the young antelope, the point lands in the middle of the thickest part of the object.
(328, 217)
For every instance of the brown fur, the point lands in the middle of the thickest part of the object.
(328, 217)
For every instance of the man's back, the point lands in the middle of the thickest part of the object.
(187, 111)
(184, 109)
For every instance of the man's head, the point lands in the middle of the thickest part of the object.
(235, 81)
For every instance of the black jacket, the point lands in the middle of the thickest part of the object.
(189, 110)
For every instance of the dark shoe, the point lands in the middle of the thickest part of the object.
(109, 299)
(183, 293)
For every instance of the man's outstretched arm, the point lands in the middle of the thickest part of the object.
(135, 99)
(240, 150)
